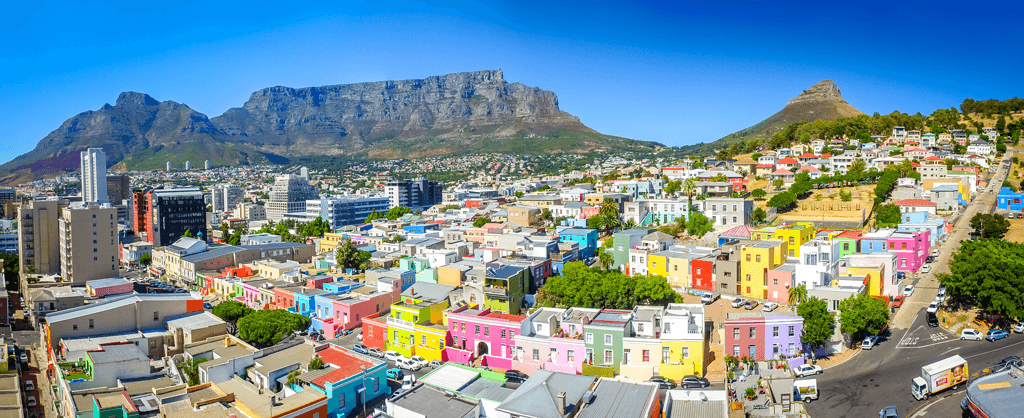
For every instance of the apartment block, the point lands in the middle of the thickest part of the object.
(88, 243)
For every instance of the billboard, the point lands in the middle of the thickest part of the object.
(952, 377)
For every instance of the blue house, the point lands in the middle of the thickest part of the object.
(348, 379)
(585, 238)
(421, 229)
(1010, 200)
(919, 221)
(304, 303)
(875, 242)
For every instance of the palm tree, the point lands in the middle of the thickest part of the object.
(293, 378)
(689, 188)
(797, 295)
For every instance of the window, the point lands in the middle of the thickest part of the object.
(665, 357)
(608, 357)
(74, 327)
(792, 348)
(846, 246)
(647, 356)
(775, 331)
(156, 316)
(753, 332)
(423, 340)
(748, 277)
(590, 338)
(476, 329)
(536, 354)
(91, 324)
(758, 258)
(736, 333)
(736, 351)
(571, 355)
(748, 257)
(675, 267)
(463, 326)
(625, 357)
(503, 334)
(607, 339)
(775, 350)
(791, 329)
(376, 385)
(904, 245)
(487, 331)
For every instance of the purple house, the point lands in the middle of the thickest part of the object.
(767, 336)
(486, 334)
(911, 249)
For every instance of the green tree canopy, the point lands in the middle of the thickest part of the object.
(990, 226)
(819, 324)
(888, 216)
(862, 315)
(231, 310)
(145, 259)
(267, 327)
(481, 221)
(782, 201)
(349, 257)
(697, 224)
(583, 286)
(758, 215)
(758, 194)
(989, 274)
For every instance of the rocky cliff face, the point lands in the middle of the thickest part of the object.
(346, 117)
(822, 91)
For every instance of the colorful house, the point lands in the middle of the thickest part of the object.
(757, 259)
(416, 324)
(586, 238)
(739, 232)
(911, 249)
(1010, 200)
(552, 339)
(875, 242)
(795, 235)
(766, 336)
(349, 380)
(603, 338)
(504, 288)
(921, 221)
(484, 334)
(664, 341)
(878, 270)
(848, 242)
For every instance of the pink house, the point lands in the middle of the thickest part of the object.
(317, 282)
(586, 212)
(552, 339)
(565, 355)
(488, 335)
(911, 249)
(779, 281)
(350, 308)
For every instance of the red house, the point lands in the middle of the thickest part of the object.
(284, 297)
(375, 330)
(700, 271)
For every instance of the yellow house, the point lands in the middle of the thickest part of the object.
(756, 260)
(872, 274)
(331, 241)
(657, 264)
(664, 341)
(795, 235)
(416, 327)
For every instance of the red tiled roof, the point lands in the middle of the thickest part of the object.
(915, 202)
(809, 168)
(932, 158)
(826, 155)
(788, 160)
(739, 231)
(850, 234)
(807, 155)
(675, 168)
(915, 164)
(505, 316)
(347, 364)
(781, 171)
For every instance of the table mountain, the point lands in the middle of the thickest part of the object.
(822, 101)
(439, 115)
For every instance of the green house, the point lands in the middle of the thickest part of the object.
(603, 337)
(504, 288)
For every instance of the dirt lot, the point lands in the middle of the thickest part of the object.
(826, 204)
(1016, 232)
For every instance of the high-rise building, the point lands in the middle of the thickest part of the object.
(188, 165)
(119, 188)
(251, 212)
(88, 242)
(304, 172)
(161, 216)
(94, 175)
(206, 165)
(6, 195)
(226, 197)
(343, 211)
(289, 195)
(418, 194)
(168, 166)
(39, 236)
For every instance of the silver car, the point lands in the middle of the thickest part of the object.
(736, 303)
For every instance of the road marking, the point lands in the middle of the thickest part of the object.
(997, 349)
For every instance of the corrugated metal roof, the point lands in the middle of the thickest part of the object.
(619, 399)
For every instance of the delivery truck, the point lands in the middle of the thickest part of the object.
(939, 376)
(805, 390)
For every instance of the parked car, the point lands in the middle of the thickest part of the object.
(933, 307)
(897, 301)
(422, 362)
(941, 295)
(935, 252)
(806, 370)
(31, 401)
(1012, 360)
(359, 348)
(929, 259)
(515, 376)
(663, 382)
(30, 385)
(407, 364)
(391, 355)
(395, 373)
(207, 305)
(769, 306)
(996, 334)
(408, 382)
(869, 342)
(23, 357)
(888, 412)
(709, 298)
(694, 382)
(970, 334)
(750, 305)
(927, 268)
(376, 352)
(398, 392)
(907, 291)
(736, 303)
(434, 364)
(1019, 328)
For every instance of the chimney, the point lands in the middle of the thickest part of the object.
(561, 403)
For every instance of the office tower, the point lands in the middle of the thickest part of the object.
(161, 216)
(188, 165)
(94, 176)
(88, 242)
(251, 212)
(6, 195)
(168, 166)
(206, 165)
(38, 236)
(118, 188)
(349, 210)
(418, 194)
(289, 195)
(304, 172)
(226, 197)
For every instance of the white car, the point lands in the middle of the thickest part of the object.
(806, 370)
(391, 355)
(407, 364)
(907, 291)
(1019, 328)
(971, 334)
(31, 401)
(926, 268)
(869, 342)
(736, 303)
(420, 361)
(769, 306)
(934, 307)
(935, 252)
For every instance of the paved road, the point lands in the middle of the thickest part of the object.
(881, 377)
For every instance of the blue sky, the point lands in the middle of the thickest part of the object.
(677, 73)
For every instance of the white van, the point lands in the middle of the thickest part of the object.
(407, 364)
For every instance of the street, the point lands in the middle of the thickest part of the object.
(881, 377)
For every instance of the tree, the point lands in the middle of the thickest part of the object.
(759, 215)
(782, 201)
(990, 226)
(316, 363)
(673, 186)
(819, 324)
(797, 294)
(231, 310)
(546, 214)
(758, 194)
(629, 224)
(374, 215)
(862, 315)
(347, 256)
(518, 194)
(583, 286)
(689, 188)
(479, 222)
(188, 234)
(805, 138)
(191, 369)
(887, 216)
(778, 183)
(267, 327)
(989, 274)
(857, 168)
(697, 225)
(223, 228)
(293, 378)
(236, 236)
(397, 212)
(756, 155)
(1006, 183)
(146, 259)
(1001, 148)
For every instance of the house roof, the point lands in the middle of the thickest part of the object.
(808, 168)
(100, 283)
(765, 165)
(808, 155)
(781, 171)
(347, 364)
(538, 395)
(619, 399)
(915, 202)
(788, 160)
(931, 158)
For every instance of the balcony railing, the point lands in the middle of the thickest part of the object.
(499, 291)
(402, 322)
